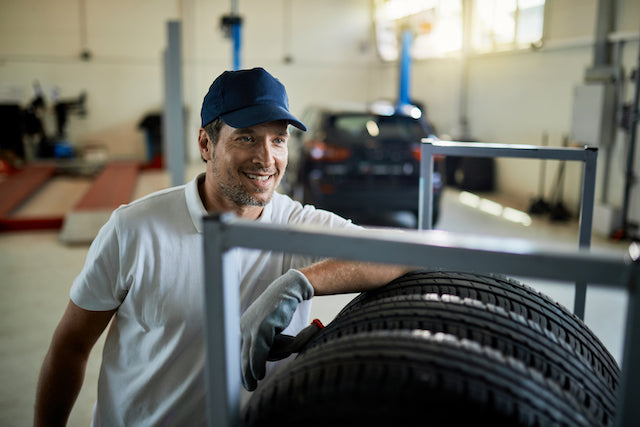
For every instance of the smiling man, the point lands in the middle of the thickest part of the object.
(144, 273)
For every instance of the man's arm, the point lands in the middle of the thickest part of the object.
(64, 365)
(334, 276)
(272, 311)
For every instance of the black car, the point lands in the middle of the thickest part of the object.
(360, 162)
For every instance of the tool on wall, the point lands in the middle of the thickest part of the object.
(559, 212)
(540, 205)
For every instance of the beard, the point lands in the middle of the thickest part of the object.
(236, 192)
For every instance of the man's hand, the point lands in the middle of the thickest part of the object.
(269, 315)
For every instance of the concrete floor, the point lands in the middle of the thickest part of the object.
(36, 271)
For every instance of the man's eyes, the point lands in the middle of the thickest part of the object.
(248, 138)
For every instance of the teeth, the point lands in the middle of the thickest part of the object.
(261, 178)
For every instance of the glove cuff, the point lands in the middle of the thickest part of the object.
(305, 287)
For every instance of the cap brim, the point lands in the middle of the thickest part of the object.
(256, 114)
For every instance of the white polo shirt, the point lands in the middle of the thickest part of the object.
(147, 261)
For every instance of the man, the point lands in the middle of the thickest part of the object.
(144, 272)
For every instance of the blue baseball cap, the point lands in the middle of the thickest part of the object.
(246, 98)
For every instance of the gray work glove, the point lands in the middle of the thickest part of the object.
(266, 317)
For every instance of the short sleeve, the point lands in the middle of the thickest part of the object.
(99, 287)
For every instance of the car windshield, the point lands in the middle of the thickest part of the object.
(359, 128)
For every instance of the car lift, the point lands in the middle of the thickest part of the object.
(16, 189)
(112, 187)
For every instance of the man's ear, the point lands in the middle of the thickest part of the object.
(203, 144)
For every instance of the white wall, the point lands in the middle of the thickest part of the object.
(327, 44)
(512, 97)
(40, 40)
(515, 97)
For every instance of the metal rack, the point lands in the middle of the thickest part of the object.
(415, 248)
(420, 249)
(588, 155)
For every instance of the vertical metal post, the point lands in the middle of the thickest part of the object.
(236, 33)
(628, 410)
(586, 221)
(605, 19)
(630, 178)
(463, 106)
(173, 119)
(405, 69)
(425, 204)
(222, 328)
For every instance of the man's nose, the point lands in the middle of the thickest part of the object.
(264, 153)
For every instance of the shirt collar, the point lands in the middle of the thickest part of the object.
(194, 203)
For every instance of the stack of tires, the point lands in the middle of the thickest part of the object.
(444, 348)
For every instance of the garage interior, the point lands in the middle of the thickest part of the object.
(572, 84)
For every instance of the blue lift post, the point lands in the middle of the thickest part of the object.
(236, 33)
(405, 70)
(232, 26)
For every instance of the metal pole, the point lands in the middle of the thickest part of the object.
(631, 146)
(434, 248)
(173, 119)
(628, 410)
(586, 221)
(236, 34)
(604, 24)
(425, 203)
(222, 328)
(405, 70)
(463, 119)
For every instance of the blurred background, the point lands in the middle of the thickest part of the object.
(100, 102)
(512, 78)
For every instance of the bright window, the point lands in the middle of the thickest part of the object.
(436, 25)
(506, 24)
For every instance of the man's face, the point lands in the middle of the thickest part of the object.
(249, 163)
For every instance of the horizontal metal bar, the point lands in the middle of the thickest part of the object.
(433, 249)
(481, 149)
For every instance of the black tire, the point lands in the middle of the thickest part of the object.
(512, 296)
(403, 378)
(490, 326)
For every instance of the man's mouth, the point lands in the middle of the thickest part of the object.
(259, 178)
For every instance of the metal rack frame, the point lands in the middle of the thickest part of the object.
(588, 155)
(416, 248)
(420, 249)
